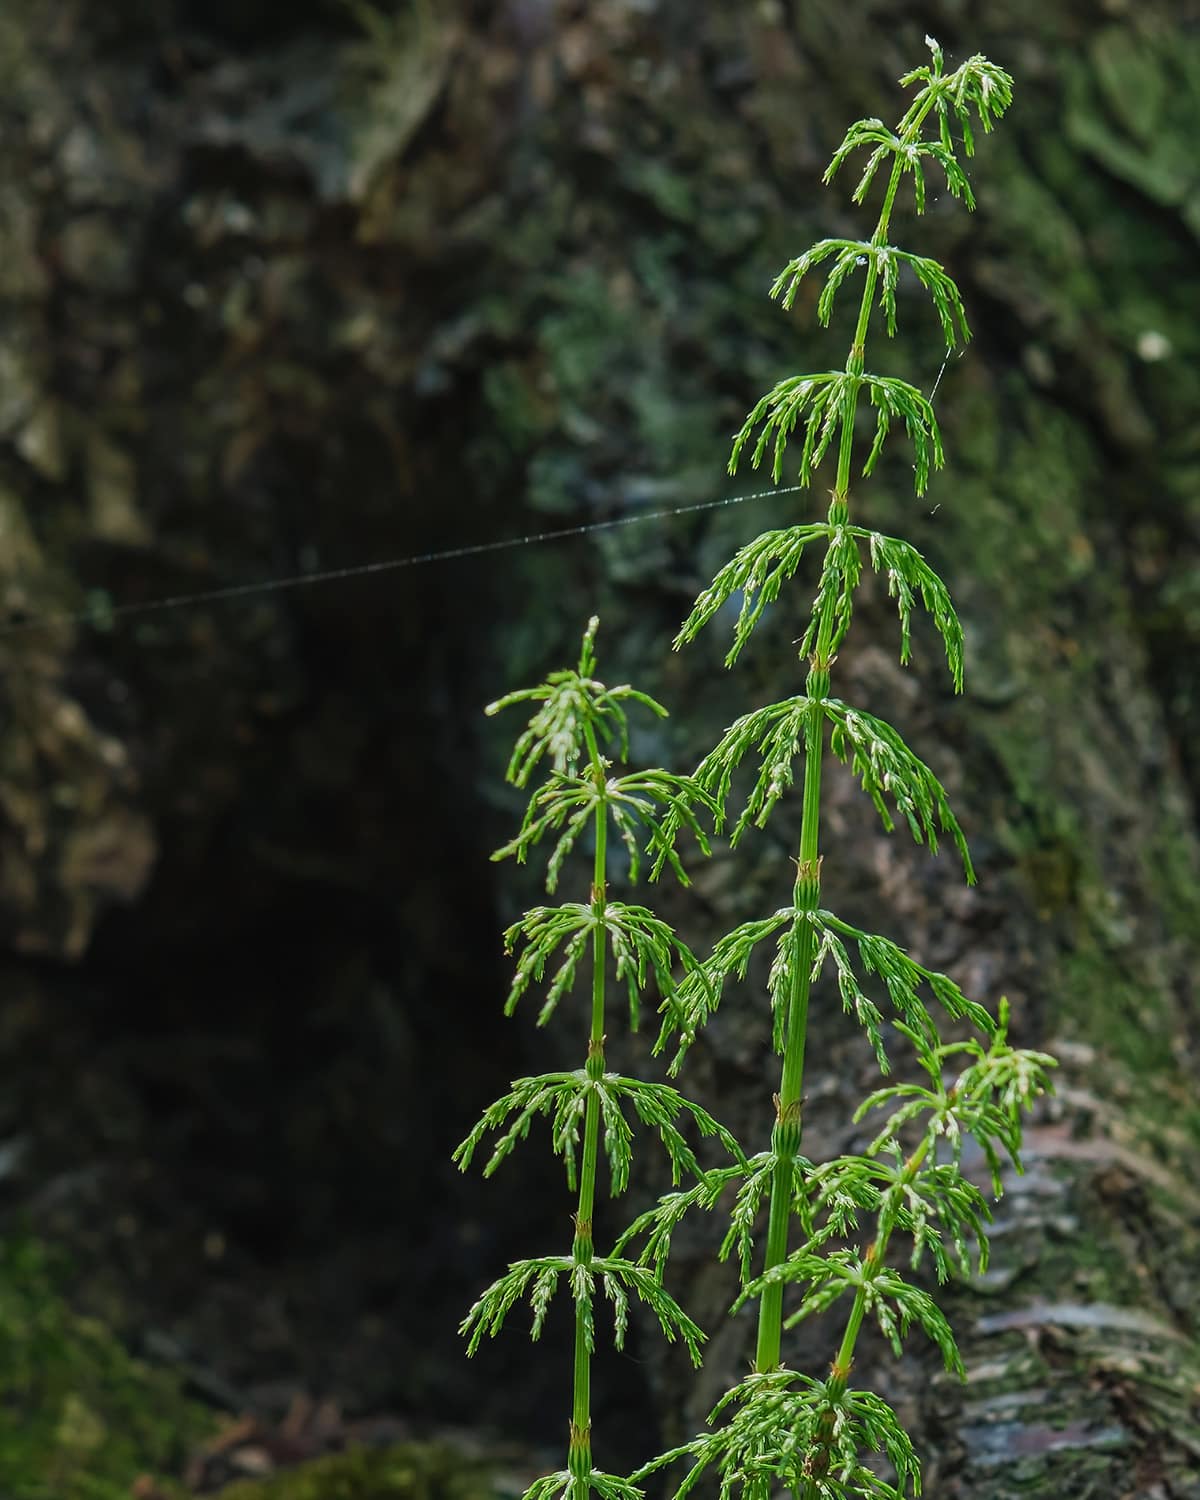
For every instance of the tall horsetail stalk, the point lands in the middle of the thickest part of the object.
(819, 1438)
(576, 717)
(781, 1428)
(807, 894)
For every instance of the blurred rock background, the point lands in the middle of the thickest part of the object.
(290, 289)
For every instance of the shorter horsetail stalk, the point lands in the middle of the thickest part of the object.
(576, 716)
(820, 1438)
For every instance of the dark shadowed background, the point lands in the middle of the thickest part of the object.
(296, 288)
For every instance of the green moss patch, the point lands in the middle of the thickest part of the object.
(411, 1471)
(80, 1418)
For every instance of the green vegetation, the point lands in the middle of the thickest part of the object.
(80, 1419)
(779, 1427)
(408, 1471)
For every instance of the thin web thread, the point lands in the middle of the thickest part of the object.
(104, 615)
(941, 372)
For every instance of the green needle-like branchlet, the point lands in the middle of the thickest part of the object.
(760, 568)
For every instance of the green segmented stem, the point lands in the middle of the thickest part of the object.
(579, 1452)
(786, 1136)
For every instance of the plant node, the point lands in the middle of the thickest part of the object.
(787, 1115)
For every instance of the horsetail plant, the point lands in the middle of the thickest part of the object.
(590, 1108)
(782, 1428)
(778, 1428)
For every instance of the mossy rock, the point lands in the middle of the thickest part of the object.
(409, 1471)
(80, 1418)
